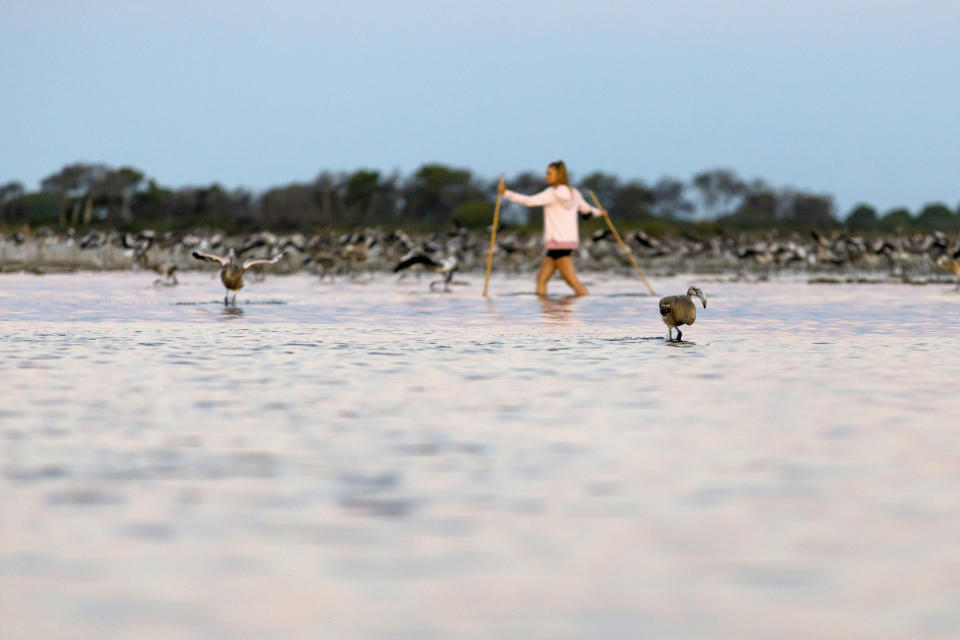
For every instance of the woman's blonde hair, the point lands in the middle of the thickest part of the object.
(561, 170)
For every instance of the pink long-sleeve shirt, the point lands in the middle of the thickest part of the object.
(560, 206)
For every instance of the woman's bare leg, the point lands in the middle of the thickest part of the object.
(569, 273)
(547, 267)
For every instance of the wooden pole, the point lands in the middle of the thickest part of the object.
(620, 242)
(493, 237)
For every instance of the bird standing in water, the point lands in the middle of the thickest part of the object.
(680, 310)
(141, 259)
(445, 267)
(167, 270)
(231, 270)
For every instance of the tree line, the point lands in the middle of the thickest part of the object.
(435, 195)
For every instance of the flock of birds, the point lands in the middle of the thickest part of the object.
(331, 254)
(232, 269)
(445, 253)
(675, 311)
(327, 255)
(349, 255)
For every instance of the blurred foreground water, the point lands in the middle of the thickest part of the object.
(369, 460)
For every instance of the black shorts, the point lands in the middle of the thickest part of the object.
(559, 253)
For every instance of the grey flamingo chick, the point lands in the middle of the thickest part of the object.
(680, 310)
(231, 269)
(167, 270)
(325, 262)
(445, 267)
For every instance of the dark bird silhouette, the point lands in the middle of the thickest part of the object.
(445, 267)
(92, 240)
(231, 270)
(602, 234)
(680, 310)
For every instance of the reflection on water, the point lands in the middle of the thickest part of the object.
(557, 309)
(331, 460)
(232, 312)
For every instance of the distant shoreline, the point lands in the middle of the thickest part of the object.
(826, 258)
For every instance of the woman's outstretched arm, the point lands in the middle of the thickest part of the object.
(545, 197)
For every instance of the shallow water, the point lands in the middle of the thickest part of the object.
(369, 460)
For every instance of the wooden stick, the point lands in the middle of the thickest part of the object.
(493, 237)
(620, 242)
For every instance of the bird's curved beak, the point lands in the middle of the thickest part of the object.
(703, 298)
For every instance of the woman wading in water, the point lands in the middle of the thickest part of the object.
(561, 236)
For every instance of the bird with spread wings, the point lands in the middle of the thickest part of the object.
(232, 269)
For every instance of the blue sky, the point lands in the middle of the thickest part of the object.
(854, 98)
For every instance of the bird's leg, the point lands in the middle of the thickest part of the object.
(226, 297)
(669, 333)
(679, 335)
